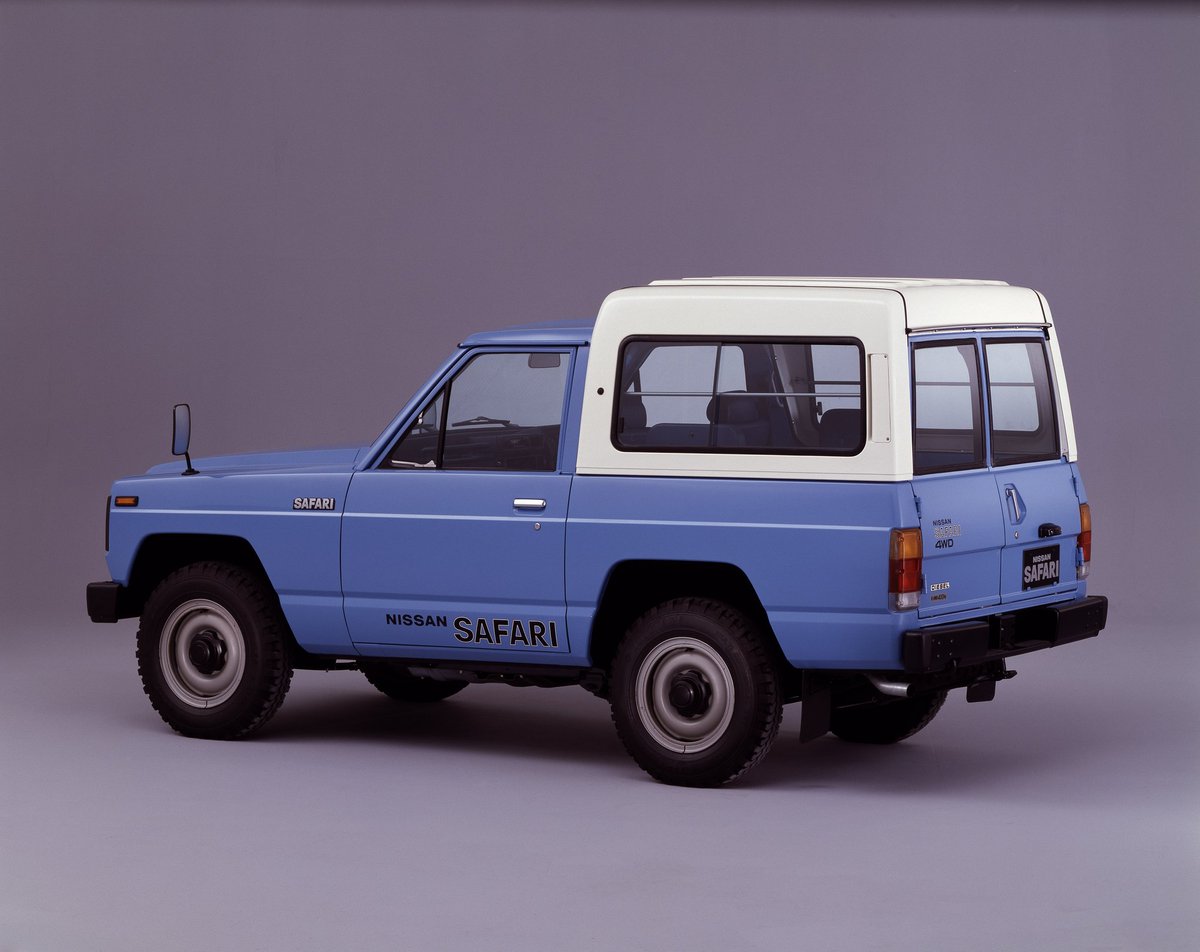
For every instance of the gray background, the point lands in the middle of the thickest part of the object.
(287, 213)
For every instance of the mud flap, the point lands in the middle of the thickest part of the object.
(816, 706)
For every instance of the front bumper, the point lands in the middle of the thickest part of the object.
(109, 602)
(942, 647)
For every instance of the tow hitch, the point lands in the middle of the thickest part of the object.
(983, 688)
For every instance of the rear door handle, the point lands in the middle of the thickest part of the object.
(1014, 497)
(1048, 530)
(531, 505)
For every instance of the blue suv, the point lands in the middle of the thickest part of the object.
(718, 497)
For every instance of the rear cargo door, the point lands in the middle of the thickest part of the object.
(962, 526)
(1034, 480)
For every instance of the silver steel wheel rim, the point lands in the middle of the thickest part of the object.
(673, 658)
(201, 618)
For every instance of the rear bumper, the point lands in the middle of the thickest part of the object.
(109, 602)
(927, 650)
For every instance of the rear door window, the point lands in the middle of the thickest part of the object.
(1024, 423)
(947, 408)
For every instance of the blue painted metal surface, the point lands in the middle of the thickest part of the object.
(298, 549)
(548, 334)
(962, 534)
(1042, 494)
(815, 552)
(452, 545)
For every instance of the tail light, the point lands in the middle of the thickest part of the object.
(1083, 545)
(904, 569)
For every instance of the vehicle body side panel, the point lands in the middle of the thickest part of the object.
(298, 549)
(815, 552)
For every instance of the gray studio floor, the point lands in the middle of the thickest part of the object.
(1062, 816)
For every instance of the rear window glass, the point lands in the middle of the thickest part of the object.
(947, 414)
(1021, 400)
(741, 396)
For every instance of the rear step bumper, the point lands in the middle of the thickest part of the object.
(926, 650)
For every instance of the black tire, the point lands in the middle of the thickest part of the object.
(399, 685)
(887, 721)
(211, 651)
(695, 693)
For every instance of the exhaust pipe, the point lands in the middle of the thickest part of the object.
(890, 688)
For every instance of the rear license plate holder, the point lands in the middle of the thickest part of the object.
(1040, 567)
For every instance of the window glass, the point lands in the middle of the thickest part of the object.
(1022, 408)
(503, 411)
(418, 448)
(675, 382)
(947, 430)
(757, 396)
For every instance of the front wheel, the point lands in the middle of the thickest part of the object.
(695, 693)
(211, 651)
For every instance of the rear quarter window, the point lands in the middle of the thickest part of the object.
(787, 396)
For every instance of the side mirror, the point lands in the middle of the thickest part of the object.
(181, 430)
(181, 435)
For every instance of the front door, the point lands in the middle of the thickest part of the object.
(454, 545)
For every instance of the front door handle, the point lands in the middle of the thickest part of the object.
(531, 505)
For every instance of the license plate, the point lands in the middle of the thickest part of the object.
(1039, 567)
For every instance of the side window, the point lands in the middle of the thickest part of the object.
(418, 448)
(947, 427)
(1024, 425)
(747, 396)
(673, 384)
(502, 411)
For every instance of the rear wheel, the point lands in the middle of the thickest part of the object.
(211, 651)
(888, 721)
(695, 693)
(402, 686)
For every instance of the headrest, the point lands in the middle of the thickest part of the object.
(735, 406)
(841, 428)
(633, 413)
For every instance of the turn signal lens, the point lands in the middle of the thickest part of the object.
(125, 501)
(904, 569)
(1084, 542)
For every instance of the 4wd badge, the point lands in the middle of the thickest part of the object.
(313, 502)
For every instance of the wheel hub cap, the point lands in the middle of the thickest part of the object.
(207, 652)
(690, 694)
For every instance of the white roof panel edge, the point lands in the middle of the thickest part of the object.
(929, 303)
(826, 281)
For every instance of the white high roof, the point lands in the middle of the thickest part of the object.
(928, 303)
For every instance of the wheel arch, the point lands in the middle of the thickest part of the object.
(636, 585)
(160, 554)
